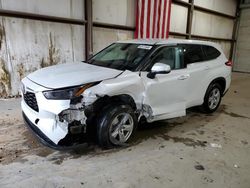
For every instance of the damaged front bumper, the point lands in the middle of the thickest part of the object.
(47, 141)
(55, 130)
(57, 123)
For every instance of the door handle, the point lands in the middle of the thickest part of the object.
(184, 77)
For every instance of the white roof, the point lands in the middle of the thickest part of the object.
(167, 41)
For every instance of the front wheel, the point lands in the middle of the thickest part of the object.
(116, 126)
(212, 98)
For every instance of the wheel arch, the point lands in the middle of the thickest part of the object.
(106, 100)
(124, 99)
(221, 81)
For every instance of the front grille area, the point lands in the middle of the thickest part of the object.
(30, 99)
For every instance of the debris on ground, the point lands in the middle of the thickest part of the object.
(214, 145)
(244, 142)
(236, 166)
(199, 167)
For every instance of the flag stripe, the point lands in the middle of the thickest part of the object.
(164, 19)
(168, 23)
(142, 18)
(152, 18)
(159, 18)
(148, 18)
(145, 18)
(137, 20)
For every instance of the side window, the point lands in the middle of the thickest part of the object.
(211, 52)
(192, 53)
(167, 55)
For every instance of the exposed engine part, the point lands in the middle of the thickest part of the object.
(71, 115)
(76, 127)
(89, 98)
(75, 117)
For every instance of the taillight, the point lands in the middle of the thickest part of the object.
(229, 63)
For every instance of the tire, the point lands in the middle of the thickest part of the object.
(212, 98)
(111, 131)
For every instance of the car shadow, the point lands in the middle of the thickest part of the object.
(193, 121)
(177, 130)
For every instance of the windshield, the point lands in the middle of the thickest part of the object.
(121, 56)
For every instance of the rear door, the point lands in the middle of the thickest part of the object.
(197, 68)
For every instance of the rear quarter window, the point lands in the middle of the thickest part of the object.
(210, 52)
(192, 53)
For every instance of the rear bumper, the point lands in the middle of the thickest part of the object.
(45, 140)
(228, 83)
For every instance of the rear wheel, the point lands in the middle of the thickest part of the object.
(116, 126)
(212, 98)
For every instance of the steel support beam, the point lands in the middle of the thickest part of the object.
(113, 26)
(181, 3)
(178, 34)
(40, 17)
(190, 19)
(88, 29)
(234, 39)
(235, 32)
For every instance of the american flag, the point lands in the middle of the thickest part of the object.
(152, 18)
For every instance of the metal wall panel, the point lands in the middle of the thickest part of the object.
(226, 47)
(178, 18)
(120, 12)
(224, 6)
(27, 45)
(242, 57)
(104, 37)
(60, 8)
(213, 26)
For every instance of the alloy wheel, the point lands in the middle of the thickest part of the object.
(121, 128)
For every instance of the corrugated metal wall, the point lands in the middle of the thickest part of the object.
(206, 24)
(242, 57)
(120, 12)
(27, 45)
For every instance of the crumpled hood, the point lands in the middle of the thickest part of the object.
(71, 74)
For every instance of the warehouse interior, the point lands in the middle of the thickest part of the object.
(197, 150)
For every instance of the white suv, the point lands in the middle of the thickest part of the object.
(127, 81)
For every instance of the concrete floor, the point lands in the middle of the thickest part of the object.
(194, 151)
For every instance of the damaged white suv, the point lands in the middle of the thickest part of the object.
(127, 81)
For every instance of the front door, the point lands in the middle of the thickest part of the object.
(166, 93)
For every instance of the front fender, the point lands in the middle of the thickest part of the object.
(128, 83)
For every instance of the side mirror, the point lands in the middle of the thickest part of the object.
(159, 68)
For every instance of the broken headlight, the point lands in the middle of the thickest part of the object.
(67, 93)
